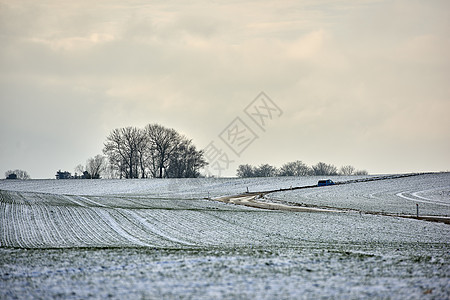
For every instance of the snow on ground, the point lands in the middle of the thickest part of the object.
(395, 196)
(161, 239)
(183, 187)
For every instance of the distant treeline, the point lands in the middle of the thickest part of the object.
(296, 168)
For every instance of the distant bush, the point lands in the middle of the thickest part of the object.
(17, 174)
(361, 172)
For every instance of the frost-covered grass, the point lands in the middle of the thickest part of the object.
(308, 271)
(162, 239)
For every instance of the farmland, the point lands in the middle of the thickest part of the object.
(171, 238)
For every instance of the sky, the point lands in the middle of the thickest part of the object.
(362, 83)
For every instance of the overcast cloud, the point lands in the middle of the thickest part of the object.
(364, 83)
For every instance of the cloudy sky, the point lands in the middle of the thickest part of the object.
(365, 83)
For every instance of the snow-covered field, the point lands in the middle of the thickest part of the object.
(157, 239)
(396, 196)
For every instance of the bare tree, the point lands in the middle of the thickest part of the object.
(121, 147)
(296, 168)
(141, 145)
(321, 169)
(163, 142)
(245, 171)
(265, 170)
(95, 166)
(186, 160)
(80, 169)
(346, 170)
(114, 149)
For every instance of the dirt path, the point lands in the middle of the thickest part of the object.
(256, 200)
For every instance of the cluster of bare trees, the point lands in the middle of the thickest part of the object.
(154, 151)
(94, 168)
(297, 168)
(17, 174)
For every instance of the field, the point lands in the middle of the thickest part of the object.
(172, 238)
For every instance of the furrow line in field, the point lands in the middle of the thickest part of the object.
(180, 229)
(234, 232)
(104, 214)
(70, 225)
(402, 195)
(47, 224)
(44, 232)
(87, 227)
(191, 224)
(21, 233)
(62, 226)
(138, 202)
(104, 233)
(194, 227)
(71, 199)
(236, 227)
(131, 203)
(208, 229)
(121, 202)
(98, 229)
(92, 202)
(5, 224)
(25, 223)
(94, 229)
(49, 199)
(134, 222)
(186, 226)
(5, 197)
(40, 228)
(130, 227)
(58, 226)
(260, 225)
(19, 197)
(202, 219)
(136, 219)
(139, 228)
(28, 198)
(78, 225)
(11, 225)
(28, 224)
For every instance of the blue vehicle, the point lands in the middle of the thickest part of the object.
(325, 182)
